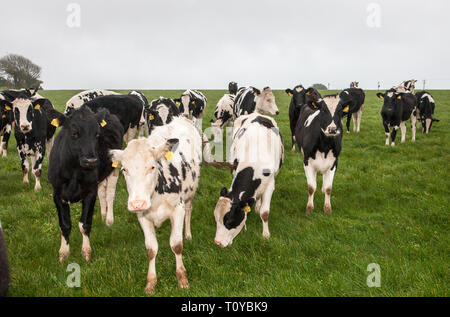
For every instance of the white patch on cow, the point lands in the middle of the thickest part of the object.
(390, 94)
(430, 98)
(79, 99)
(311, 117)
(22, 105)
(332, 102)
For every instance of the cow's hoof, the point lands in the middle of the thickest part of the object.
(86, 253)
(109, 222)
(393, 144)
(63, 255)
(266, 235)
(309, 208)
(151, 285)
(182, 278)
(327, 208)
(348, 132)
(293, 149)
(25, 181)
(37, 187)
(188, 236)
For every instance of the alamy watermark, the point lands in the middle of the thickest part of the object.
(74, 278)
(74, 18)
(374, 278)
(374, 15)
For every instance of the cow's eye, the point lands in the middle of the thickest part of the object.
(124, 170)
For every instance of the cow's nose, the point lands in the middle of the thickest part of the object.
(137, 205)
(24, 127)
(218, 243)
(90, 162)
(277, 113)
(332, 130)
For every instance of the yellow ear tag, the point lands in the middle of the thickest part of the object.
(308, 93)
(247, 208)
(55, 122)
(399, 97)
(255, 94)
(37, 107)
(289, 94)
(193, 102)
(115, 164)
(4, 116)
(168, 156)
(150, 117)
(346, 109)
(314, 105)
(103, 123)
(381, 97)
(177, 102)
(8, 108)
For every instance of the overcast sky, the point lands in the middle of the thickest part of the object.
(177, 44)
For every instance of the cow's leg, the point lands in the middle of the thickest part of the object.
(85, 222)
(101, 191)
(327, 185)
(347, 124)
(49, 145)
(359, 116)
(24, 163)
(36, 163)
(5, 139)
(293, 143)
(264, 209)
(176, 243)
(131, 134)
(65, 225)
(310, 173)
(413, 127)
(187, 221)
(151, 245)
(403, 130)
(394, 133)
(110, 195)
(427, 125)
(386, 132)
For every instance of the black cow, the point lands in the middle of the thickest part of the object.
(319, 136)
(355, 107)
(232, 88)
(6, 121)
(397, 109)
(33, 132)
(425, 110)
(299, 97)
(80, 164)
(161, 112)
(128, 108)
(4, 266)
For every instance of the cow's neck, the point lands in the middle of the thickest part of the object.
(244, 185)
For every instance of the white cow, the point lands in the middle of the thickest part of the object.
(76, 101)
(162, 173)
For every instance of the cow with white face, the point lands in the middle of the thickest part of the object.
(162, 174)
(257, 154)
(251, 99)
(319, 136)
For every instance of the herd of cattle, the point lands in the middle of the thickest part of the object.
(162, 169)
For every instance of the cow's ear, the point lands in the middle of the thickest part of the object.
(101, 117)
(247, 204)
(38, 103)
(56, 118)
(314, 104)
(256, 92)
(380, 95)
(116, 157)
(152, 115)
(223, 192)
(289, 92)
(165, 150)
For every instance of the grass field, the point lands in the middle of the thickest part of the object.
(390, 207)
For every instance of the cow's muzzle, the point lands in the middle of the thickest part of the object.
(89, 162)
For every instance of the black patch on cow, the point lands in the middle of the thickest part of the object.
(266, 172)
(266, 122)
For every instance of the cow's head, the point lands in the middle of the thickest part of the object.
(331, 110)
(140, 163)
(6, 113)
(265, 102)
(297, 94)
(82, 128)
(233, 88)
(354, 84)
(24, 112)
(230, 217)
(390, 98)
(161, 111)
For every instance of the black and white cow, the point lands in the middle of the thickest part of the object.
(6, 122)
(406, 86)
(192, 105)
(161, 112)
(144, 129)
(251, 99)
(355, 107)
(354, 84)
(257, 154)
(34, 134)
(232, 88)
(4, 266)
(299, 97)
(425, 110)
(162, 174)
(128, 108)
(81, 162)
(82, 97)
(397, 109)
(224, 112)
(319, 138)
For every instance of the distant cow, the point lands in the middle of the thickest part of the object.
(162, 174)
(299, 97)
(224, 112)
(257, 154)
(161, 111)
(192, 106)
(354, 84)
(232, 88)
(78, 166)
(144, 128)
(4, 266)
(425, 110)
(128, 108)
(251, 99)
(397, 109)
(79, 99)
(406, 86)
(319, 137)
(355, 107)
